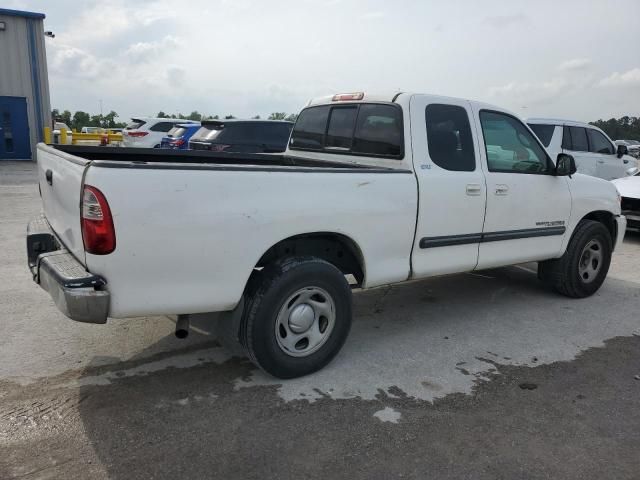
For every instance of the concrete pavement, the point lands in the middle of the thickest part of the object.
(429, 383)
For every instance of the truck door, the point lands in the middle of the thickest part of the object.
(452, 193)
(527, 205)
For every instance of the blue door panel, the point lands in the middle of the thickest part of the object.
(14, 129)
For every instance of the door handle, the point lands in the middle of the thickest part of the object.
(600, 161)
(49, 176)
(474, 189)
(502, 189)
(625, 161)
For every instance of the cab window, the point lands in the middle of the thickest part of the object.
(510, 147)
(357, 129)
(308, 132)
(378, 131)
(449, 137)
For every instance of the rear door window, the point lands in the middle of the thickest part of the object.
(449, 137)
(543, 132)
(309, 130)
(579, 141)
(378, 131)
(598, 143)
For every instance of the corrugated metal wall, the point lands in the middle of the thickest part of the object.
(23, 70)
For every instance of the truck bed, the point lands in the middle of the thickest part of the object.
(192, 226)
(123, 157)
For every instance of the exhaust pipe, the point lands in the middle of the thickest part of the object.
(182, 326)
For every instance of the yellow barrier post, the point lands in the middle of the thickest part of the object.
(47, 135)
(63, 136)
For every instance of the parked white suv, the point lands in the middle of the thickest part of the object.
(147, 132)
(594, 152)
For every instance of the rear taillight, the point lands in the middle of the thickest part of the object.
(177, 143)
(98, 233)
(137, 134)
(217, 147)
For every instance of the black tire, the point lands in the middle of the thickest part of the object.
(266, 294)
(563, 274)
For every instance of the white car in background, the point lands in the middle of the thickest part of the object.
(146, 132)
(629, 189)
(594, 152)
(57, 127)
(633, 146)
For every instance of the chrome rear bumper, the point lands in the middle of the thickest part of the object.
(78, 294)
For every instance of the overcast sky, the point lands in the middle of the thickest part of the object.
(573, 59)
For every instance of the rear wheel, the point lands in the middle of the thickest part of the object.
(583, 268)
(297, 316)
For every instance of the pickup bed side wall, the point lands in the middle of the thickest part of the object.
(187, 240)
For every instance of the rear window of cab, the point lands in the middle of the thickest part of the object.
(366, 129)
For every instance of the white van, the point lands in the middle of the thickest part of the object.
(594, 152)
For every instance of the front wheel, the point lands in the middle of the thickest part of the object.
(297, 316)
(584, 266)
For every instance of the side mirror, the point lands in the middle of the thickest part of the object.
(565, 165)
(622, 150)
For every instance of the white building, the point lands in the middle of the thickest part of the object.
(25, 107)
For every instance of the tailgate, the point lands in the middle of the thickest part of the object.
(60, 176)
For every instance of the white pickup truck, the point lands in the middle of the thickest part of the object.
(372, 190)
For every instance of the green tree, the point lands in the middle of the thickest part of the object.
(80, 119)
(161, 114)
(109, 120)
(257, 117)
(229, 117)
(278, 116)
(292, 117)
(624, 128)
(96, 120)
(195, 116)
(66, 117)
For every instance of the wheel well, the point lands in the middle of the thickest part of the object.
(336, 249)
(607, 219)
